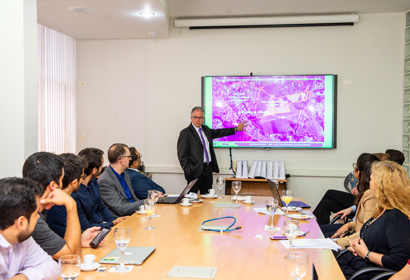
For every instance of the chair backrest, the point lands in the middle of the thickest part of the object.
(350, 182)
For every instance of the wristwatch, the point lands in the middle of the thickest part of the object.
(366, 258)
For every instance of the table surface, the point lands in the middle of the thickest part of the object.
(237, 255)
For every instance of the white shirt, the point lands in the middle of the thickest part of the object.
(26, 258)
(206, 142)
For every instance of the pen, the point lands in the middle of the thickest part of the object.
(305, 233)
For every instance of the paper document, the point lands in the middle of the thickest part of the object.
(239, 169)
(245, 169)
(263, 170)
(253, 169)
(311, 244)
(269, 170)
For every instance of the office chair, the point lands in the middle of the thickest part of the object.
(382, 272)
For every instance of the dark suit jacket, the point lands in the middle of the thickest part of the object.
(141, 184)
(114, 196)
(191, 151)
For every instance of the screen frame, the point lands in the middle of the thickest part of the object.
(333, 121)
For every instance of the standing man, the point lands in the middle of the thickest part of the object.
(115, 184)
(196, 152)
(20, 256)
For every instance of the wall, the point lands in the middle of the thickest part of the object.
(18, 87)
(140, 92)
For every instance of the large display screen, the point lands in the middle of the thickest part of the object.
(297, 111)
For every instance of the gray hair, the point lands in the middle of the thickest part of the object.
(197, 108)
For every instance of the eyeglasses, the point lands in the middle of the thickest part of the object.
(127, 156)
(198, 118)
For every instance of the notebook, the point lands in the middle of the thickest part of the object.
(276, 195)
(132, 255)
(174, 200)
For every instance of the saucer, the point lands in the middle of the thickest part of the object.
(249, 202)
(189, 204)
(208, 196)
(197, 200)
(291, 208)
(300, 217)
(240, 198)
(90, 268)
(141, 212)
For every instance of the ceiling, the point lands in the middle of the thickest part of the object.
(121, 19)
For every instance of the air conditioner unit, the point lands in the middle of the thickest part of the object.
(264, 22)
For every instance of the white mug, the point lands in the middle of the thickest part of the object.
(185, 201)
(248, 199)
(142, 208)
(89, 260)
(211, 192)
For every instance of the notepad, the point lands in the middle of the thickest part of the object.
(193, 272)
(311, 244)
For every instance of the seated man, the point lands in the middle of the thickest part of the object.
(73, 176)
(91, 209)
(139, 181)
(47, 170)
(115, 183)
(20, 255)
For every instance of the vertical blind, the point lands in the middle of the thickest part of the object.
(57, 93)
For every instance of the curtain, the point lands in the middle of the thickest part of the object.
(57, 91)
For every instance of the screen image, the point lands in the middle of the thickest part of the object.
(296, 111)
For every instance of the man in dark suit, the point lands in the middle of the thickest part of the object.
(140, 182)
(115, 184)
(196, 153)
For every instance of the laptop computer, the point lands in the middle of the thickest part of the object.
(133, 255)
(276, 195)
(175, 200)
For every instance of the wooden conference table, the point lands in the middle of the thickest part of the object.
(237, 255)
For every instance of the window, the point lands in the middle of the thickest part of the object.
(57, 92)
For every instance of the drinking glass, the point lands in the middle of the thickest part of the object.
(287, 196)
(220, 182)
(297, 264)
(236, 186)
(271, 206)
(149, 206)
(153, 194)
(291, 230)
(70, 266)
(122, 237)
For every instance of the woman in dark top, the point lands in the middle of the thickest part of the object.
(385, 238)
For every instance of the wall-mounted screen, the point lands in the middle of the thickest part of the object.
(295, 111)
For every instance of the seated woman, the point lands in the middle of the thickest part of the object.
(385, 238)
(365, 203)
(403, 274)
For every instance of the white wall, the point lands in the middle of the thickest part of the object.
(18, 86)
(140, 92)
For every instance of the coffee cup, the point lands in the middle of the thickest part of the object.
(89, 260)
(211, 192)
(248, 199)
(142, 209)
(185, 201)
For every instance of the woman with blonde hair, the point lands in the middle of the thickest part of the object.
(385, 238)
